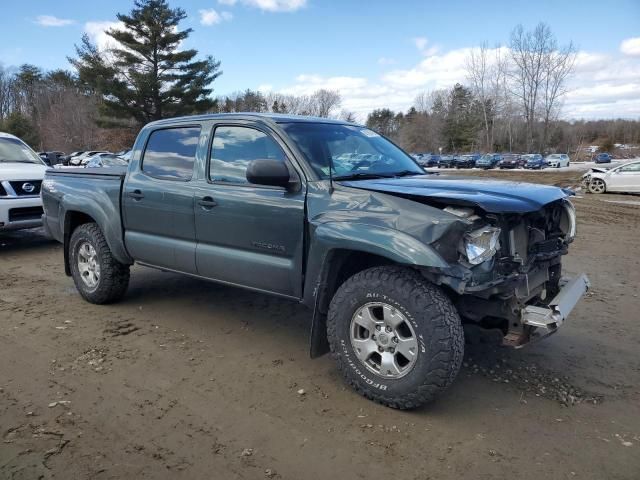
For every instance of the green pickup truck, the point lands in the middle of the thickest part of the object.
(395, 263)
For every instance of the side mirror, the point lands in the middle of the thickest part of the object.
(266, 171)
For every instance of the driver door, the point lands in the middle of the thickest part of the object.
(248, 235)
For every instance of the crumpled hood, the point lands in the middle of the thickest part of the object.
(493, 196)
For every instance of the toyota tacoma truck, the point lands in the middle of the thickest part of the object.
(394, 262)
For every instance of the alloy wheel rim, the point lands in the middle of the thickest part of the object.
(597, 186)
(383, 340)
(88, 265)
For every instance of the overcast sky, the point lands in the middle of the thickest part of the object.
(377, 53)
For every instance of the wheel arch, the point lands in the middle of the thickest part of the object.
(74, 218)
(339, 265)
(339, 250)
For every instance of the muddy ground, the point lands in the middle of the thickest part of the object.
(187, 379)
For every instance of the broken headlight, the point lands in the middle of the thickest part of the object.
(568, 220)
(480, 245)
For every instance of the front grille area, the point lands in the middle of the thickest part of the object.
(532, 240)
(24, 188)
(25, 213)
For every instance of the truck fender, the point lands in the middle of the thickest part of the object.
(332, 246)
(101, 210)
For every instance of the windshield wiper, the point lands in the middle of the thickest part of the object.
(362, 176)
(406, 173)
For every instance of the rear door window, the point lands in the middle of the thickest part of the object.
(170, 153)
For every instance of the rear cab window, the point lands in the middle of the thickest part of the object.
(170, 153)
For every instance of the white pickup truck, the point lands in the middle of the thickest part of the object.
(21, 174)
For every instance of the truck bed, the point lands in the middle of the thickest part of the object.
(85, 194)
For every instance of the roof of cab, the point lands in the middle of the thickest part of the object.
(268, 117)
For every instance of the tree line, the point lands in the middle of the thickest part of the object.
(511, 99)
(511, 102)
(452, 120)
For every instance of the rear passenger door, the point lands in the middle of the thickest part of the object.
(158, 200)
(249, 235)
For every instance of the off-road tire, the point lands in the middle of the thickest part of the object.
(114, 276)
(432, 316)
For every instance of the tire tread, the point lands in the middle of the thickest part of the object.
(445, 344)
(114, 276)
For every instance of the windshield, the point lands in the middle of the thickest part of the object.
(353, 151)
(13, 150)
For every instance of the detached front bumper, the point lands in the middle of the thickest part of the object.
(541, 322)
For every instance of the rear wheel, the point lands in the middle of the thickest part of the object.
(98, 276)
(597, 185)
(397, 339)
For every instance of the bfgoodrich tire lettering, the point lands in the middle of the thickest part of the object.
(113, 278)
(433, 318)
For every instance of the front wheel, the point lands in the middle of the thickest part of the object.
(98, 276)
(397, 339)
(597, 186)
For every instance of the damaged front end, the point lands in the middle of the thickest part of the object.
(506, 271)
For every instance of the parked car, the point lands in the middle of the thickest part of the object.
(429, 160)
(105, 160)
(534, 161)
(512, 160)
(557, 160)
(466, 161)
(388, 257)
(66, 158)
(21, 174)
(624, 178)
(602, 158)
(82, 159)
(433, 160)
(446, 161)
(51, 158)
(489, 160)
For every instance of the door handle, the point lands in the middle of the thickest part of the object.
(136, 195)
(207, 203)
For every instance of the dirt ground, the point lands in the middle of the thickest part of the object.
(190, 380)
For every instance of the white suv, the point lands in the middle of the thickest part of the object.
(558, 160)
(21, 174)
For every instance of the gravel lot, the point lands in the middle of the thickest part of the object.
(187, 379)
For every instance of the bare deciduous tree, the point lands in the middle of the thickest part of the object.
(324, 102)
(538, 74)
(558, 66)
(480, 70)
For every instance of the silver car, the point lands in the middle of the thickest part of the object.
(557, 160)
(624, 178)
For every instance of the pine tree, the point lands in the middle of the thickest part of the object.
(146, 76)
(19, 125)
(461, 121)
